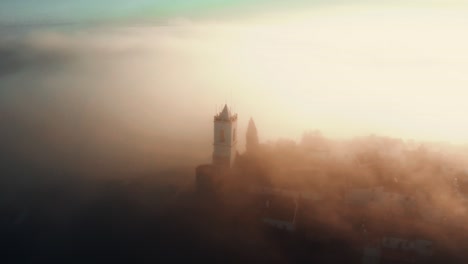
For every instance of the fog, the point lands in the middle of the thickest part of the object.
(347, 70)
(386, 186)
(102, 127)
(83, 102)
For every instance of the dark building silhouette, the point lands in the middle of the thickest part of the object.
(251, 137)
(209, 176)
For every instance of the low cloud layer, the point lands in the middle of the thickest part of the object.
(87, 101)
(81, 105)
(143, 95)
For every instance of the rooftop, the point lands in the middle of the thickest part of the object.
(225, 115)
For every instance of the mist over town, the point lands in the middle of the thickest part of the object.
(233, 132)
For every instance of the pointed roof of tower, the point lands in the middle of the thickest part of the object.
(225, 113)
(251, 125)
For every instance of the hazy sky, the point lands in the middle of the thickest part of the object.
(50, 10)
(348, 68)
(67, 10)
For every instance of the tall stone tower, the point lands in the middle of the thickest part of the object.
(225, 138)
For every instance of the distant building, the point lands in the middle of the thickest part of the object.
(251, 137)
(209, 177)
(225, 138)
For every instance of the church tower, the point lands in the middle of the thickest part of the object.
(225, 138)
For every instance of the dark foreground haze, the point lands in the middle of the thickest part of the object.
(107, 128)
(61, 213)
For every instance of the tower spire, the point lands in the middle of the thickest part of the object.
(251, 137)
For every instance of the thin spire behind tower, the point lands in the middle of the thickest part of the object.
(251, 137)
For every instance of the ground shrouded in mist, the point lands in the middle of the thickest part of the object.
(101, 129)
